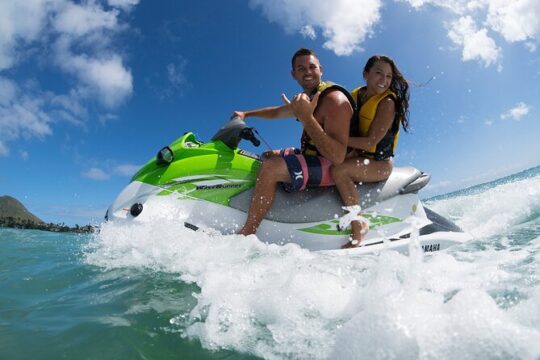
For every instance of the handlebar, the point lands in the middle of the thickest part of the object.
(247, 134)
(234, 131)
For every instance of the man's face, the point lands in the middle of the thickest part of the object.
(307, 72)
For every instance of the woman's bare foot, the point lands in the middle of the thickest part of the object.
(352, 243)
(358, 229)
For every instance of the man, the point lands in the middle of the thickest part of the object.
(325, 111)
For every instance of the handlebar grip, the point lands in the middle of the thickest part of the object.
(255, 141)
(247, 134)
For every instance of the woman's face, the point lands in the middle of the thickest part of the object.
(378, 78)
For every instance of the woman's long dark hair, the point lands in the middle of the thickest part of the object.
(399, 86)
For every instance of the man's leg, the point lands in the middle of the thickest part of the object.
(272, 171)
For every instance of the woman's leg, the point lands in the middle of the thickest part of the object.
(358, 170)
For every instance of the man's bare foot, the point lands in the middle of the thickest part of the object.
(243, 232)
(247, 230)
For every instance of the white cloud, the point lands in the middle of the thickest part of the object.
(27, 112)
(3, 149)
(96, 174)
(455, 6)
(175, 76)
(103, 73)
(69, 107)
(105, 118)
(8, 91)
(175, 73)
(345, 24)
(106, 77)
(108, 170)
(517, 20)
(477, 45)
(123, 4)
(458, 7)
(83, 36)
(309, 32)
(21, 21)
(21, 115)
(530, 46)
(126, 169)
(79, 20)
(516, 113)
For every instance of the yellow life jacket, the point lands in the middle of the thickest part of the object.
(307, 145)
(366, 114)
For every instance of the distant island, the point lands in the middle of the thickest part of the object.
(13, 214)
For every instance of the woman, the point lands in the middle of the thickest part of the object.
(383, 103)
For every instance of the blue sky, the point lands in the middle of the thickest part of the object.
(91, 90)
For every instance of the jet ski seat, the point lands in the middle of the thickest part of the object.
(319, 204)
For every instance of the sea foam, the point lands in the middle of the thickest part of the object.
(478, 300)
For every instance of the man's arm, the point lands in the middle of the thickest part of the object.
(382, 122)
(335, 114)
(271, 112)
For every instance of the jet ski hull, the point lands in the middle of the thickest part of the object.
(394, 223)
(208, 187)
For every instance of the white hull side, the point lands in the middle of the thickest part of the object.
(226, 220)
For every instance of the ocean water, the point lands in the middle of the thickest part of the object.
(160, 291)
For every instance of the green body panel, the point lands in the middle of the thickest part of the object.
(214, 172)
(331, 229)
(195, 162)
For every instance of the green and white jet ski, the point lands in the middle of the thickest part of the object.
(208, 185)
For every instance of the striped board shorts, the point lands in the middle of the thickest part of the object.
(306, 171)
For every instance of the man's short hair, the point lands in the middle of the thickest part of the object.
(302, 52)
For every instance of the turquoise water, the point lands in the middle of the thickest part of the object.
(160, 291)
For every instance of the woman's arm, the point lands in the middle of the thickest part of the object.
(384, 117)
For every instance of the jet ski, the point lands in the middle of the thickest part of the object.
(208, 187)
